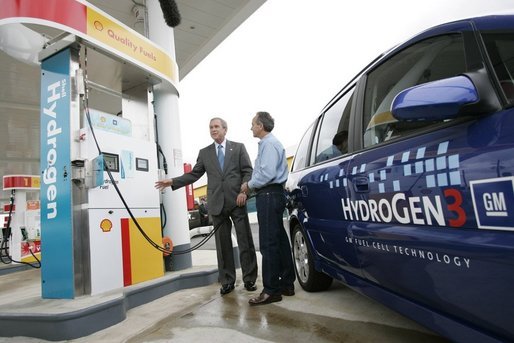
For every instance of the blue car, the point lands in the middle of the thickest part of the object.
(403, 187)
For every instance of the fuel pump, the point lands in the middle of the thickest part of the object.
(21, 236)
(99, 163)
(132, 163)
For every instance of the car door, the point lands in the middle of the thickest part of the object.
(324, 183)
(418, 191)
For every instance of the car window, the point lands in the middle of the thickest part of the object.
(500, 48)
(429, 60)
(332, 139)
(300, 158)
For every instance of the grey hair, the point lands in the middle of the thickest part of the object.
(266, 120)
(223, 122)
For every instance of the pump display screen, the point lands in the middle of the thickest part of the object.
(141, 164)
(112, 161)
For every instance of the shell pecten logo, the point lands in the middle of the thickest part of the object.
(98, 25)
(106, 225)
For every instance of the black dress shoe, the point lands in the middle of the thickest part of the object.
(250, 286)
(264, 299)
(225, 289)
(288, 292)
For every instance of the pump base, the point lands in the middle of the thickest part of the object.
(84, 315)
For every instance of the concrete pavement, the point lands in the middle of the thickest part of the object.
(202, 314)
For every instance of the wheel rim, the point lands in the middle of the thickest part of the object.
(301, 256)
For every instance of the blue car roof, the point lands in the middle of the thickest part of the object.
(482, 23)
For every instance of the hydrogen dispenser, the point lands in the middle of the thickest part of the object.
(100, 212)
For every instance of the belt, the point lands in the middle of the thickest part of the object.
(270, 187)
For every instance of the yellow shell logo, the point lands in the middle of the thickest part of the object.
(106, 225)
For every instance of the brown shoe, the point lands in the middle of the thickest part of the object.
(264, 299)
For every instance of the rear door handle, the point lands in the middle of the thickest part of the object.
(361, 184)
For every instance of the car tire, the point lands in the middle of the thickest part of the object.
(309, 278)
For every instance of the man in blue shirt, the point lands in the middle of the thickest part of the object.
(268, 178)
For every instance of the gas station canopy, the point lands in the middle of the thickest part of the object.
(204, 25)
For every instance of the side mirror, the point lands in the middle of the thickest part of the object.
(437, 100)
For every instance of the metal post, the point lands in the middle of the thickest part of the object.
(168, 128)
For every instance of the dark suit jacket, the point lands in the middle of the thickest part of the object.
(223, 186)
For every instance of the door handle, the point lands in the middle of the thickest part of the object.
(361, 184)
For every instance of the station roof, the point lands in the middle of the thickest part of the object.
(204, 25)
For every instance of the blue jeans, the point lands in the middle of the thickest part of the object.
(277, 263)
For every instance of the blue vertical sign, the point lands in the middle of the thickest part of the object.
(57, 274)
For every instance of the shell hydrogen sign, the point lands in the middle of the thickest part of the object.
(103, 31)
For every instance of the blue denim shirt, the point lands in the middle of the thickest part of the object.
(271, 163)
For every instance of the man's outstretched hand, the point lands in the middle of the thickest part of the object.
(160, 185)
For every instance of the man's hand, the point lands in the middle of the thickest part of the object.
(160, 185)
(241, 199)
(244, 188)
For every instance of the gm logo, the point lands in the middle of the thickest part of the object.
(493, 202)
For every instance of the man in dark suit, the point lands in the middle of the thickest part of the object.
(228, 166)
